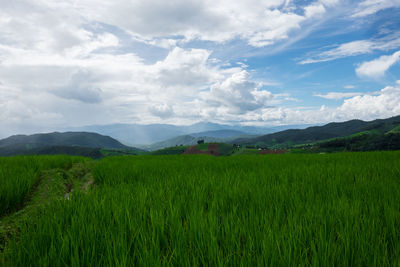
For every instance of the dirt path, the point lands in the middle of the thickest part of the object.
(82, 179)
(192, 150)
(272, 151)
(89, 183)
(213, 149)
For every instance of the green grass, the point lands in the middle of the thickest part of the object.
(121, 152)
(225, 149)
(175, 150)
(339, 209)
(246, 151)
(372, 132)
(395, 130)
(202, 147)
(54, 186)
(18, 175)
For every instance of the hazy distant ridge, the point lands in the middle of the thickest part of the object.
(137, 134)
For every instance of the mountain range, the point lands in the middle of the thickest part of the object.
(319, 133)
(220, 136)
(353, 135)
(145, 135)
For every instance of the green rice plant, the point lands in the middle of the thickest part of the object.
(275, 210)
(18, 175)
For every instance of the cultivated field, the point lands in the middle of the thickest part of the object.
(339, 209)
(19, 174)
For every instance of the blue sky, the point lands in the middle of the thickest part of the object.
(75, 63)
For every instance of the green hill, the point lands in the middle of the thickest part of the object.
(176, 150)
(289, 138)
(364, 141)
(71, 143)
(395, 130)
(82, 139)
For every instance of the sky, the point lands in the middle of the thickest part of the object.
(276, 62)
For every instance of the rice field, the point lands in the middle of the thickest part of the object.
(339, 209)
(18, 175)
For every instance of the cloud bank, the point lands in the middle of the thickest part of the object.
(97, 62)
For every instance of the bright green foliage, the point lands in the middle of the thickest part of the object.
(275, 210)
(19, 174)
(246, 151)
(203, 147)
(395, 130)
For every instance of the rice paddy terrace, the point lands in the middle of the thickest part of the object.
(339, 209)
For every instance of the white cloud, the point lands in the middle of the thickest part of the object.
(277, 27)
(377, 67)
(349, 86)
(385, 103)
(163, 110)
(330, 2)
(355, 48)
(381, 104)
(237, 94)
(344, 50)
(56, 26)
(337, 95)
(67, 63)
(80, 87)
(314, 10)
(368, 106)
(368, 7)
(101, 87)
(260, 23)
(39, 25)
(186, 68)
